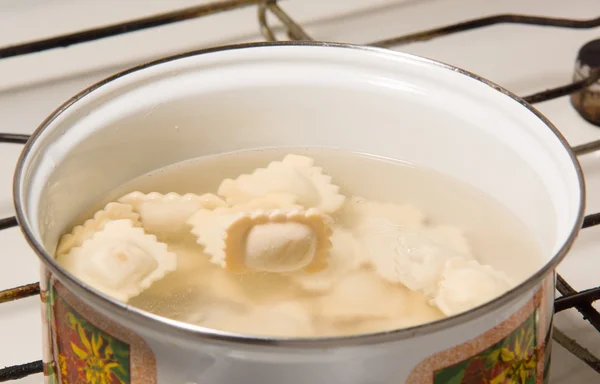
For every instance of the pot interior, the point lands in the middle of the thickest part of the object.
(372, 101)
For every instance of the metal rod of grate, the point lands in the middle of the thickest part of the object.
(19, 292)
(586, 148)
(576, 349)
(293, 28)
(13, 138)
(576, 299)
(591, 220)
(486, 22)
(20, 371)
(585, 308)
(295, 32)
(8, 222)
(124, 27)
(555, 93)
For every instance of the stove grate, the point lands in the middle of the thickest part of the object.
(19, 292)
(582, 301)
(64, 41)
(20, 371)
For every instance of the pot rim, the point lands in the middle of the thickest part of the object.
(193, 332)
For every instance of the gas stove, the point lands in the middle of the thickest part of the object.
(544, 50)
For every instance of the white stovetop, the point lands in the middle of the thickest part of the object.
(524, 59)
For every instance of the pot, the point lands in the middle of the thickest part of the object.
(301, 94)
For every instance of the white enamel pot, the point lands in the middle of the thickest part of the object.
(295, 94)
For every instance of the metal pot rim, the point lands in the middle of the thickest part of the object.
(191, 332)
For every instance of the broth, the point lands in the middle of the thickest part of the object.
(365, 299)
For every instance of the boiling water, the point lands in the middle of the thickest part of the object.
(204, 294)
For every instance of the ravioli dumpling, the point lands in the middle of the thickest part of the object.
(345, 256)
(420, 312)
(79, 234)
(271, 241)
(358, 214)
(451, 237)
(167, 214)
(362, 295)
(468, 284)
(268, 202)
(120, 260)
(295, 175)
(413, 257)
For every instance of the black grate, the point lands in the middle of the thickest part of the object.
(582, 301)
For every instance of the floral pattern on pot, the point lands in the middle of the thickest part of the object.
(86, 347)
(517, 351)
(512, 360)
(86, 354)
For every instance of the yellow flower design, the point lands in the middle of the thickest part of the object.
(99, 364)
(62, 365)
(72, 321)
(522, 359)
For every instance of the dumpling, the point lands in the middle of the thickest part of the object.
(414, 257)
(295, 175)
(345, 256)
(362, 295)
(468, 284)
(359, 213)
(268, 202)
(416, 312)
(120, 260)
(271, 241)
(190, 256)
(452, 237)
(222, 286)
(425, 313)
(166, 214)
(79, 234)
(194, 296)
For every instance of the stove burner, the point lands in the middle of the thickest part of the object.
(587, 100)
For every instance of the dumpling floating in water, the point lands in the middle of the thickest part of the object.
(120, 260)
(294, 175)
(269, 202)
(362, 296)
(468, 284)
(414, 257)
(167, 214)
(282, 251)
(345, 256)
(413, 308)
(80, 233)
(450, 237)
(272, 241)
(359, 212)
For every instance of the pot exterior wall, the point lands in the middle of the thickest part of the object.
(84, 345)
